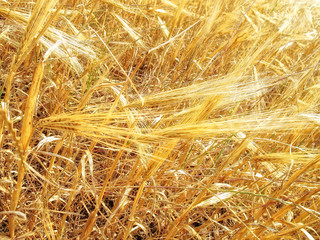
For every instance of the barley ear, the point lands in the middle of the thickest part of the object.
(26, 132)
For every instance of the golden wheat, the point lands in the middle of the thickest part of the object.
(159, 119)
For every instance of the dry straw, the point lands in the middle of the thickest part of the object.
(159, 119)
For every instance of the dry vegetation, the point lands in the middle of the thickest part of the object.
(159, 119)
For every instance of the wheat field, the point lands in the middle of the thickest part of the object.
(160, 119)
